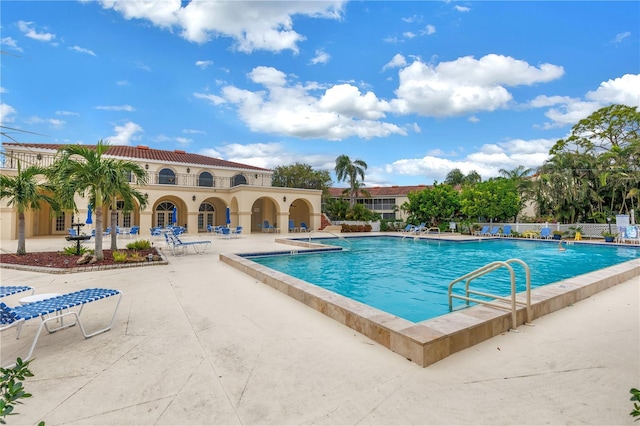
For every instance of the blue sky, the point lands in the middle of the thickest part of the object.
(413, 88)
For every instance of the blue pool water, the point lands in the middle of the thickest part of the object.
(410, 278)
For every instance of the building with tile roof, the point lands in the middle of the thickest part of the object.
(199, 188)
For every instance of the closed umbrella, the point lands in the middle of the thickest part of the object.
(228, 216)
(89, 220)
(175, 215)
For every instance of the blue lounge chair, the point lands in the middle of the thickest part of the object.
(135, 230)
(225, 232)
(55, 309)
(303, 227)
(266, 227)
(506, 232)
(545, 233)
(407, 228)
(495, 232)
(8, 290)
(237, 231)
(292, 226)
(483, 231)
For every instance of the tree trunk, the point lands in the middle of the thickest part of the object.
(22, 249)
(114, 228)
(99, 228)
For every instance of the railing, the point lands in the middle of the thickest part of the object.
(328, 232)
(512, 298)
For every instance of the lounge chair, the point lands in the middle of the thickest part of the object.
(303, 227)
(267, 227)
(8, 290)
(506, 232)
(406, 229)
(495, 232)
(135, 230)
(545, 233)
(56, 309)
(483, 231)
(174, 242)
(237, 231)
(631, 234)
(418, 229)
(292, 226)
(225, 232)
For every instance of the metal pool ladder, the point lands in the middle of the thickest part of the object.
(512, 298)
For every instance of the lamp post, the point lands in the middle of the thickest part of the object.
(609, 222)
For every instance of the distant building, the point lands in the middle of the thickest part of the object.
(385, 200)
(201, 189)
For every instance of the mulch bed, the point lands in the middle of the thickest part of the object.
(54, 259)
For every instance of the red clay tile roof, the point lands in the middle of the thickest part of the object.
(142, 152)
(382, 191)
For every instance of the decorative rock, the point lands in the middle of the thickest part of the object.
(87, 258)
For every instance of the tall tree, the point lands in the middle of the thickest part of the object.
(86, 171)
(432, 205)
(350, 170)
(454, 177)
(25, 192)
(300, 175)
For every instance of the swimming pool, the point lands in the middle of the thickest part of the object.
(409, 278)
(429, 341)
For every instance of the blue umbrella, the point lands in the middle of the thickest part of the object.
(228, 216)
(175, 215)
(89, 220)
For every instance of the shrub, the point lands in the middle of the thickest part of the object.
(11, 390)
(139, 245)
(119, 256)
(73, 250)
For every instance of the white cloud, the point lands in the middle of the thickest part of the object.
(6, 112)
(3, 90)
(568, 111)
(398, 61)
(216, 100)
(122, 83)
(269, 155)
(624, 90)
(621, 36)
(29, 31)
(10, 42)
(203, 65)
(183, 141)
(321, 57)
(462, 8)
(125, 134)
(252, 25)
(52, 122)
(128, 108)
(83, 50)
(429, 29)
(466, 85)
(414, 18)
(487, 161)
(68, 113)
(294, 110)
(194, 132)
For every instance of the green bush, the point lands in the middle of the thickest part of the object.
(73, 250)
(139, 245)
(119, 256)
(11, 389)
(635, 396)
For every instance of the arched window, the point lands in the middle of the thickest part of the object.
(238, 180)
(167, 177)
(205, 179)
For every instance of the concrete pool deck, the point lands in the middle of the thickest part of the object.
(199, 342)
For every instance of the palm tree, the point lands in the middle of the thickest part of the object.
(85, 171)
(24, 192)
(454, 177)
(350, 170)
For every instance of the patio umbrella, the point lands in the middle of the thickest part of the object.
(175, 215)
(89, 220)
(228, 216)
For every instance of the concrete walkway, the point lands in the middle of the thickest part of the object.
(198, 342)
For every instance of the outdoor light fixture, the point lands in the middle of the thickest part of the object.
(188, 170)
(146, 166)
(193, 198)
(284, 198)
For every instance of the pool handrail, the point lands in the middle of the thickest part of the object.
(483, 270)
(328, 232)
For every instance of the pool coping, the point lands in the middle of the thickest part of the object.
(429, 341)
